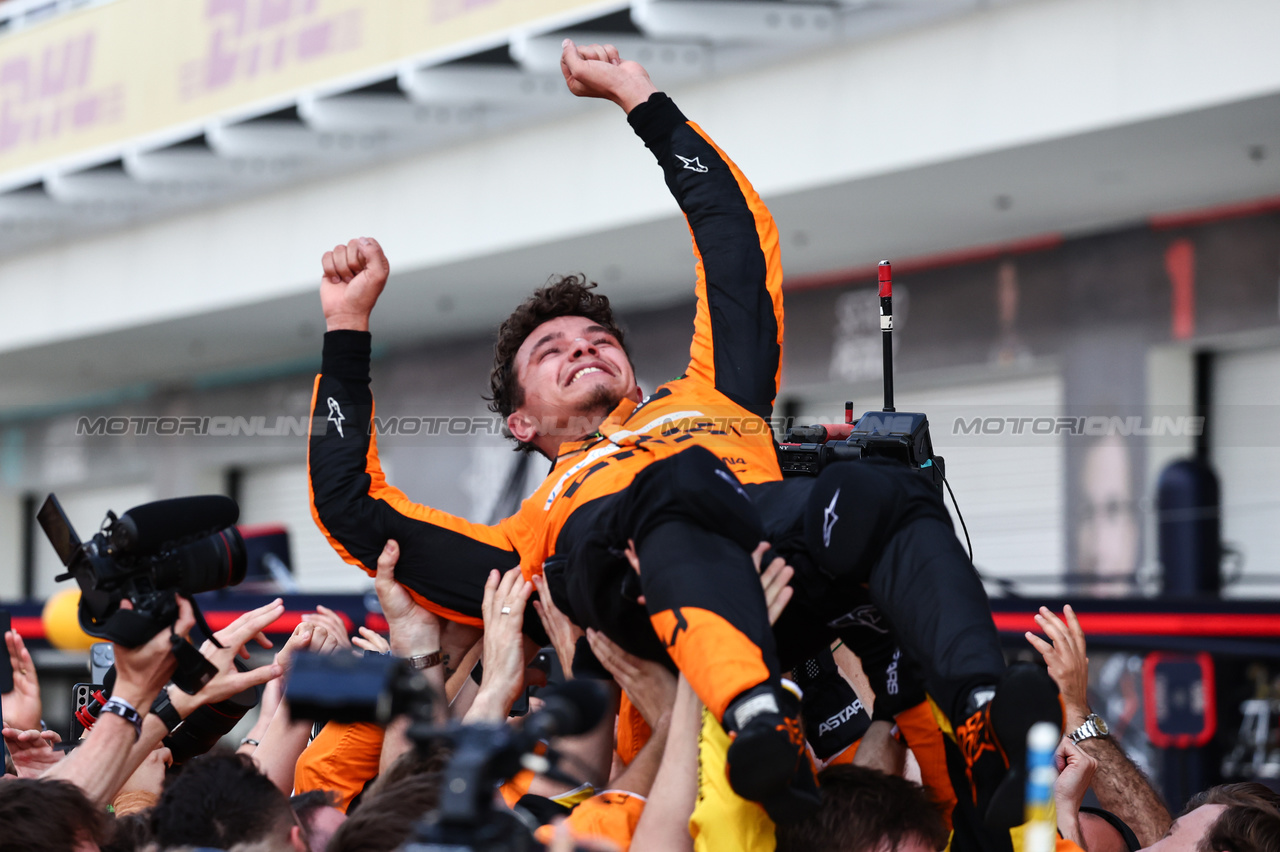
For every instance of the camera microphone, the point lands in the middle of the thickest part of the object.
(569, 709)
(146, 528)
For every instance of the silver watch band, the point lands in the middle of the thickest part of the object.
(426, 661)
(1088, 730)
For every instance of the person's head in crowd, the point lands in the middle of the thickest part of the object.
(221, 800)
(864, 810)
(48, 816)
(1242, 817)
(128, 833)
(392, 805)
(318, 816)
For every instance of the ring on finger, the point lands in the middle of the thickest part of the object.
(506, 610)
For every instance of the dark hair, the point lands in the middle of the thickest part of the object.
(40, 815)
(562, 296)
(128, 833)
(1243, 828)
(307, 805)
(1247, 793)
(863, 809)
(393, 804)
(219, 800)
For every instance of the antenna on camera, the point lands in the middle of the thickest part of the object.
(886, 329)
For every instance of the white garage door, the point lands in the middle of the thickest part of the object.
(278, 494)
(1245, 436)
(1010, 487)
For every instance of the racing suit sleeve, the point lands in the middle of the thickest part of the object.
(444, 559)
(737, 336)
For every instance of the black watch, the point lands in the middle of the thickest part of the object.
(164, 710)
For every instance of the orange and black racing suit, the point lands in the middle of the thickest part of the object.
(691, 475)
(674, 461)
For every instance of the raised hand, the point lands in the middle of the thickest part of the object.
(413, 629)
(649, 685)
(332, 623)
(22, 707)
(596, 71)
(775, 579)
(1066, 659)
(505, 596)
(354, 275)
(564, 633)
(229, 680)
(32, 751)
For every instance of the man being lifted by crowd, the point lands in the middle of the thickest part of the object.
(689, 474)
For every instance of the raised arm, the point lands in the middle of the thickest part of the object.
(737, 338)
(444, 560)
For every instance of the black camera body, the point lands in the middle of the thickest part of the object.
(149, 556)
(887, 434)
(898, 435)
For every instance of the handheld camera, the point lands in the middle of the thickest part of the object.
(148, 556)
(891, 434)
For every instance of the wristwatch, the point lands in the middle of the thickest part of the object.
(426, 661)
(1094, 726)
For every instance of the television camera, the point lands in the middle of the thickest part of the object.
(149, 556)
(889, 434)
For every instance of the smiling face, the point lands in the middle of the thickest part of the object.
(572, 372)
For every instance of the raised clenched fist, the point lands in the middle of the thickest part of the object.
(354, 275)
(597, 71)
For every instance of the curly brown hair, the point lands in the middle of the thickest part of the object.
(561, 296)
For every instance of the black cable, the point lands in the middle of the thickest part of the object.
(960, 515)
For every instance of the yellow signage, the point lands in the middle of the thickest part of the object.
(124, 69)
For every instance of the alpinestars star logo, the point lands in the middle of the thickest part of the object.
(829, 518)
(693, 165)
(335, 416)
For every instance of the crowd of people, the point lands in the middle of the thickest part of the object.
(794, 664)
(360, 786)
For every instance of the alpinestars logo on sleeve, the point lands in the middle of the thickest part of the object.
(335, 416)
(693, 165)
(829, 518)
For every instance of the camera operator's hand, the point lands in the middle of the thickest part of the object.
(354, 275)
(414, 630)
(229, 680)
(597, 71)
(143, 671)
(563, 632)
(505, 597)
(32, 751)
(22, 707)
(649, 685)
(332, 623)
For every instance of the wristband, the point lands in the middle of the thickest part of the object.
(426, 661)
(125, 710)
(162, 708)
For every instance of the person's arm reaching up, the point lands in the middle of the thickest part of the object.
(1119, 785)
(738, 326)
(444, 559)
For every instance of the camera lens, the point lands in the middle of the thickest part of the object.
(213, 562)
